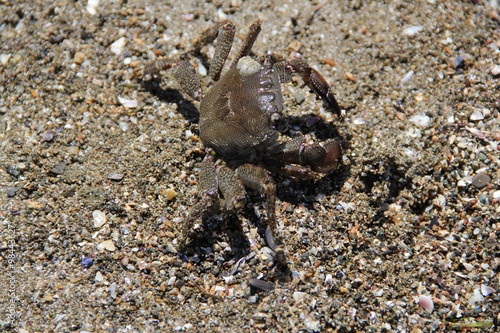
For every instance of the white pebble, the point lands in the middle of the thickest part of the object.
(298, 296)
(476, 115)
(468, 267)
(495, 70)
(311, 324)
(426, 303)
(412, 30)
(4, 58)
(99, 218)
(420, 120)
(99, 277)
(91, 6)
(128, 103)
(476, 298)
(359, 121)
(118, 45)
(107, 245)
(202, 70)
(123, 125)
(496, 195)
(407, 77)
(112, 290)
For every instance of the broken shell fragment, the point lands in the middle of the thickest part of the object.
(262, 285)
(426, 303)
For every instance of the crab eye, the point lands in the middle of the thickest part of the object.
(275, 118)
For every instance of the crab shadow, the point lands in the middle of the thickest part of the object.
(172, 96)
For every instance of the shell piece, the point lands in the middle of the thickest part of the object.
(247, 66)
(426, 303)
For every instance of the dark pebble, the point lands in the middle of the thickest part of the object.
(58, 169)
(12, 191)
(481, 180)
(13, 171)
(87, 262)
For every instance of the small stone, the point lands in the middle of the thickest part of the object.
(410, 31)
(481, 180)
(170, 193)
(299, 296)
(486, 290)
(99, 277)
(79, 58)
(58, 169)
(128, 103)
(4, 58)
(99, 218)
(311, 324)
(12, 191)
(87, 262)
(48, 298)
(118, 45)
(48, 136)
(262, 285)
(107, 245)
(420, 120)
(476, 115)
(114, 176)
(299, 97)
(495, 70)
(91, 6)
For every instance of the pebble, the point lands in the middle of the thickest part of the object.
(407, 77)
(99, 277)
(87, 262)
(495, 70)
(12, 191)
(79, 58)
(92, 6)
(58, 169)
(118, 45)
(476, 115)
(481, 180)
(410, 31)
(99, 218)
(114, 176)
(299, 296)
(420, 120)
(128, 103)
(299, 97)
(48, 136)
(4, 58)
(486, 290)
(107, 245)
(311, 324)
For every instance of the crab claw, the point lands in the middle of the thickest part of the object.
(323, 158)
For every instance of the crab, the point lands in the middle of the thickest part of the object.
(238, 123)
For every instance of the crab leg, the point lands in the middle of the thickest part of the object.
(183, 73)
(311, 77)
(260, 180)
(249, 40)
(207, 189)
